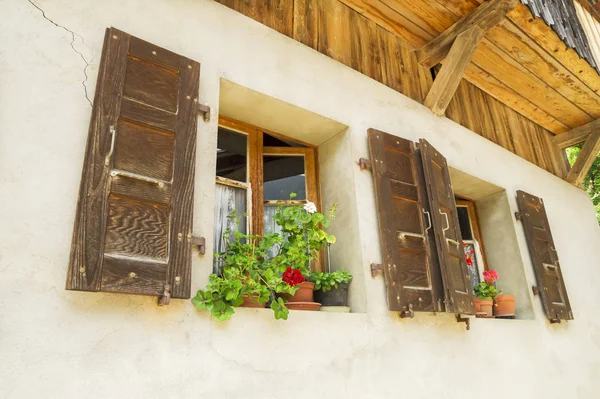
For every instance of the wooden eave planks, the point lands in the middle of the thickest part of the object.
(561, 98)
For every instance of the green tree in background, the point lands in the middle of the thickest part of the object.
(591, 183)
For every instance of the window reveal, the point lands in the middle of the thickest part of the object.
(256, 172)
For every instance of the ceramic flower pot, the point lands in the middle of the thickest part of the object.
(303, 294)
(504, 305)
(334, 297)
(252, 302)
(483, 307)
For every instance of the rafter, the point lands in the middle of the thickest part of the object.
(447, 81)
(485, 16)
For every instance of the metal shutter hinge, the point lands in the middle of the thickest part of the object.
(466, 320)
(165, 299)
(201, 243)
(205, 110)
(408, 313)
(518, 215)
(364, 163)
(376, 269)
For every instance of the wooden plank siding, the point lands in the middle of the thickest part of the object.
(386, 53)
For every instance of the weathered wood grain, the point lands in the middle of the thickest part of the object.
(151, 84)
(136, 228)
(451, 73)
(585, 159)
(444, 216)
(182, 206)
(305, 25)
(485, 16)
(144, 151)
(544, 257)
(410, 266)
(135, 191)
(577, 135)
(87, 245)
(129, 276)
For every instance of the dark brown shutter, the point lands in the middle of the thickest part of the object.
(409, 259)
(544, 257)
(133, 223)
(457, 287)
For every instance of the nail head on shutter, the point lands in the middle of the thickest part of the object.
(154, 53)
(82, 270)
(115, 37)
(177, 280)
(189, 67)
(132, 275)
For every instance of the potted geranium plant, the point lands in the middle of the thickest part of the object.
(485, 292)
(247, 278)
(331, 290)
(302, 228)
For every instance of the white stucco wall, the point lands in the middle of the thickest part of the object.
(55, 343)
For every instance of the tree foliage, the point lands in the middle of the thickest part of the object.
(591, 183)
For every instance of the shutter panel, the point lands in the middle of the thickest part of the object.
(544, 257)
(407, 245)
(457, 287)
(133, 223)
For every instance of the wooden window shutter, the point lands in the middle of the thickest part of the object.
(409, 259)
(551, 284)
(133, 223)
(457, 287)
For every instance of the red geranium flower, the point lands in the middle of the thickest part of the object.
(293, 277)
(490, 276)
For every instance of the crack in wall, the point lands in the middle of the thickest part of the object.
(73, 34)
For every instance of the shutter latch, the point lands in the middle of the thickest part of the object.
(465, 320)
(376, 269)
(518, 215)
(408, 313)
(364, 163)
(205, 110)
(165, 299)
(201, 243)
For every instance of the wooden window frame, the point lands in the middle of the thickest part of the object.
(476, 230)
(255, 183)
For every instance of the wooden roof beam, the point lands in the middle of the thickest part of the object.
(485, 16)
(447, 81)
(576, 135)
(586, 158)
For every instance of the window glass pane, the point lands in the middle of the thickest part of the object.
(271, 226)
(465, 223)
(282, 176)
(227, 200)
(271, 141)
(231, 155)
(473, 266)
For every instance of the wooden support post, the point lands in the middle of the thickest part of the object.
(446, 82)
(576, 135)
(485, 16)
(586, 158)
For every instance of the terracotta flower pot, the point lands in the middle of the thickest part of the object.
(252, 302)
(483, 307)
(504, 305)
(303, 294)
